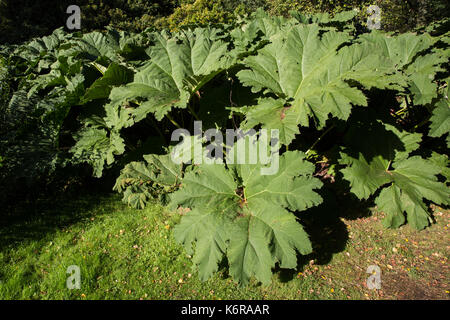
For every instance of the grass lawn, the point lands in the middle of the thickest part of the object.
(130, 254)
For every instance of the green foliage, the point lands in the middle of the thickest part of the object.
(200, 12)
(204, 12)
(405, 52)
(440, 120)
(41, 18)
(243, 214)
(112, 99)
(45, 78)
(140, 182)
(382, 160)
(96, 147)
(278, 7)
(134, 15)
(396, 15)
(299, 68)
(178, 67)
(23, 19)
(35, 253)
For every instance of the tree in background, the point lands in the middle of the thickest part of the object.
(202, 12)
(397, 15)
(24, 19)
(131, 15)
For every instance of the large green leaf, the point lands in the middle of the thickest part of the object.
(142, 181)
(300, 67)
(412, 180)
(341, 20)
(178, 67)
(240, 213)
(206, 228)
(271, 114)
(421, 74)
(376, 156)
(406, 51)
(95, 45)
(440, 120)
(209, 186)
(442, 161)
(401, 49)
(97, 147)
(255, 31)
(115, 75)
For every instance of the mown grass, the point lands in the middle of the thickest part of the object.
(130, 254)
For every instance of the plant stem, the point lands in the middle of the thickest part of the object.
(389, 164)
(407, 102)
(421, 123)
(401, 111)
(173, 121)
(320, 138)
(193, 112)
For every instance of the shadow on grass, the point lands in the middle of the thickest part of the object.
(328, 234)
(36, 220)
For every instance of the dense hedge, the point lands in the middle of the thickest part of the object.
(37, 18)
(203, 12)
(131, 15)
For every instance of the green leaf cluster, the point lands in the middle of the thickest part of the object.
(366, 109)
